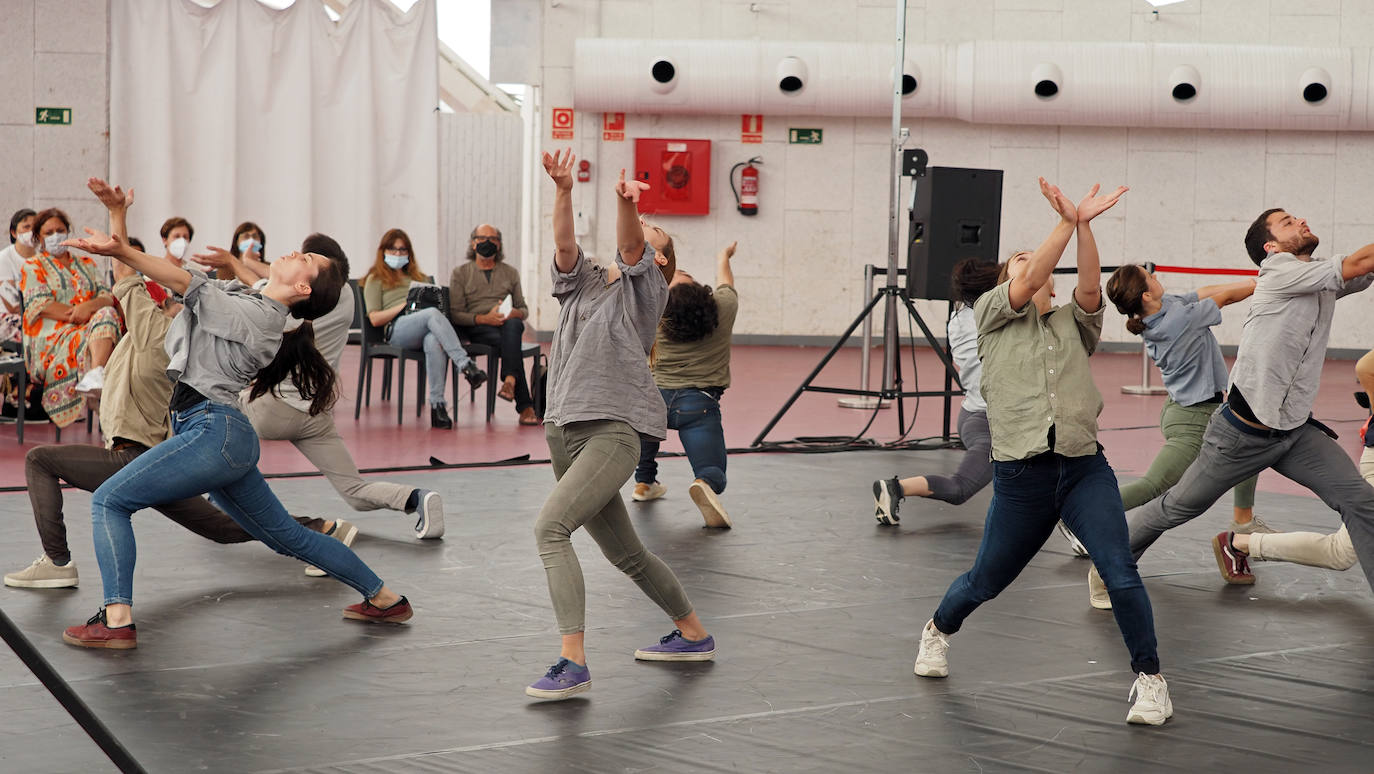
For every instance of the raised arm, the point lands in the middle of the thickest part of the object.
(1043, 260)
(1358, 263)
(629, 232)
(117, 202)
(1088, 293)
(219, 258)
(559, 167)
(724, 276)
(1228, 293)
(156, 269)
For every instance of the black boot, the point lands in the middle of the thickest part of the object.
(438, 418)
(476, 377)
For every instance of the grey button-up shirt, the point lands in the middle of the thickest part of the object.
(1283, 344)
(1036, 376)
(224, 336)
(1180, 341)
(598, 366)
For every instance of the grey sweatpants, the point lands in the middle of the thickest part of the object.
(1229, 455)
(591, 461)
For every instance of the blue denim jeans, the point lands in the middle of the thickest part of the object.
(214, 450)
(430, 330)
(695, 415)
(1028, 496)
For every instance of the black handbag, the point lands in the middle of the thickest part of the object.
(422, 296)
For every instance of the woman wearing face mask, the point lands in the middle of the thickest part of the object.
(177, 233)
(384, 295)
(12, 260)
(247, 246)
(70, 323)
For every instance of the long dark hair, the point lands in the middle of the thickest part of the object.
(298, 358)
(1125, 289)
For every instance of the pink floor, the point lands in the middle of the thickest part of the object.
(764, 377)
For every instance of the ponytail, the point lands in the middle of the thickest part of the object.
(1126, 288)
(310, 373)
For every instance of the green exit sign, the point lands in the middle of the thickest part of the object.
(51, 115)
(804, 136)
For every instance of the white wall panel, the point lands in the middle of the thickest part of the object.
(479, 182)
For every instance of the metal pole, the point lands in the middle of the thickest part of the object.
(864, 401)
(891, 334)
(1144, 388)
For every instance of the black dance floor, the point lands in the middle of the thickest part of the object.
(245, 666)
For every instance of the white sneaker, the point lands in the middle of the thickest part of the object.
(1075, 544)
(646, 492)
(709, 504)
(1252, 526)
(429, 518)
(1097, 591)
(43, 574)
(931, 659)
(93, 381)
(1152, 705)
(344, 532)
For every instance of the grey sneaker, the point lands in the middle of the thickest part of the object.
(709, 504)
(887, 497)
(1251, 527)
(43, 574)
(429, 517)
(1152, 705)
(1075, 544)
(931, 659)
(344, 532)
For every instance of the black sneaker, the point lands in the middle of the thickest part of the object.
(476, 377)
(888, 496)
(439, 418)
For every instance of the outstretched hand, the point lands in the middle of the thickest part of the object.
(630, 190)
(216, 257)
(729, 251)
(1094, 205)
(1059, 202)
(114, 198)
(559, 166)
(98, 242)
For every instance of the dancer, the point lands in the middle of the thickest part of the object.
(1042, 411)
(225, 337)
(1178, 338)
(691, 366)
(602, 400)
(385, 289)
(1267, 419)
(1334, 550)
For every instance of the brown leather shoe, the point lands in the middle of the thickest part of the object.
(366, 611)
(527, 417)
(96, 634)
(507, 391)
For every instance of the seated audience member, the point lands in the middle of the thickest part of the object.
(477, 290)
(12, 259)
(177, 233)
(691, 366)
(247, 245)
(384, 294)
(70, 321)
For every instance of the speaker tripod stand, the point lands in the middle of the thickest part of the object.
(892, 362)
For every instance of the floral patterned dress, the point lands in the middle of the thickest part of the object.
(55, 350)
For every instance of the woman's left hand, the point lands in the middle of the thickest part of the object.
(98, 242)
(81, 313)
(1094, 205)
(630, 190)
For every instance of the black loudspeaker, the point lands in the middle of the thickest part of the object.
(957, 214)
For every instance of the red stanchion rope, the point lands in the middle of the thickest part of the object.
(1200, 270)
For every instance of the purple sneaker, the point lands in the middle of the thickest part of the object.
(675, 647)
(563, 679)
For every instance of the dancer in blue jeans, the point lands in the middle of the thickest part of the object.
(226, 338)
(1047, 464)
(691, 366)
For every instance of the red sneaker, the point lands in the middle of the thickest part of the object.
(1234, 566)
(366, 611)
(96, 634)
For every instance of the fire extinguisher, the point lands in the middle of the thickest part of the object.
(584, 171)
(747, 196)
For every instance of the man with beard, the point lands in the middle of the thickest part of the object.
(476, 292)
(1266, 421)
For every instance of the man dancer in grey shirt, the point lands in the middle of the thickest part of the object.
(1266, 421)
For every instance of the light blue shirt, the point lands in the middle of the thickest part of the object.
(962, 332)
(1180, 341)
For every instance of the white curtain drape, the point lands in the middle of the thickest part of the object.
(283, 117)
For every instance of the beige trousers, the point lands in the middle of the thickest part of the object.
(1333, 551)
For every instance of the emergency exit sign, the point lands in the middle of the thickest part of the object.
(52, 115)
(804, 136)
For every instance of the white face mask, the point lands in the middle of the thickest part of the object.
(177, 247)
(53, 244)
(25, 238)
